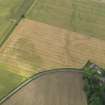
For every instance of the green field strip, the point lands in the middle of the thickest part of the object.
(90, 18)
(7, 8)
(22, 9)
(16, 18)
(7, 33)
(86, 17)
(8, 80)
(57, 13)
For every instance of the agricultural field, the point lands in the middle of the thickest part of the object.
(46, 35)
(52, 12)
(86, 17)
(55, 88)
(8, 80)
(90, 17)
(35, 46)
(10, 13)
(7, 10)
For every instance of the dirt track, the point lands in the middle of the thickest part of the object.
(60, 88)
(38, 46)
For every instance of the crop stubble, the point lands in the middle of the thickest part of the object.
(36, 46)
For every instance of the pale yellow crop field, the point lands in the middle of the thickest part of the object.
(35, 46)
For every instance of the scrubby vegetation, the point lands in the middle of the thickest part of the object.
(94, 78)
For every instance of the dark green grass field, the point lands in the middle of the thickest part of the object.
(86, 17)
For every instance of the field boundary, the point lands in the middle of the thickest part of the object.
(19, 15)
(36, 76)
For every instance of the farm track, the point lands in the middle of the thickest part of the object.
(19, 15)
(40, 81)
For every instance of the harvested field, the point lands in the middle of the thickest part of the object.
(36, 46)
(55, 88)
(83, 16)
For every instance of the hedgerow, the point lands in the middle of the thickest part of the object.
(94, 78)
